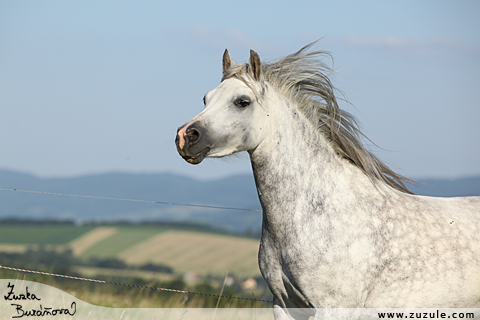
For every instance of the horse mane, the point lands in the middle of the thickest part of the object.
(304, 79)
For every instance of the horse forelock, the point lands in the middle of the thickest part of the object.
(303, 78)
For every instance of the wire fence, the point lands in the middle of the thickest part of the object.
(130, 285)
(124, 284)
(132, 200)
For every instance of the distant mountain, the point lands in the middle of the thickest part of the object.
(238, 191)
(447, 187)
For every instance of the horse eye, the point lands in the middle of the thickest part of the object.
(204, 101)
(242, 103)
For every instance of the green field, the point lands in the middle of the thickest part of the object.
(208, 255)
(118, 242)
(41, 234)
(186, 251)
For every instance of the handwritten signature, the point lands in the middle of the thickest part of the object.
(38, 312)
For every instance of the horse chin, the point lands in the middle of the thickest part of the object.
(196, 159)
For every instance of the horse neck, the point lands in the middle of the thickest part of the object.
(297, 171)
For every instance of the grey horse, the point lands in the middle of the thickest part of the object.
(340, 229)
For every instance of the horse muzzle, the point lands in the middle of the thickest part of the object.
(192, 142)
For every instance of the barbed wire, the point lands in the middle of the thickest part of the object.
(132, 200)
(130, 285)
(124, 284)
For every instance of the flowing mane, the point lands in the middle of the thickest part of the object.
(303, 78)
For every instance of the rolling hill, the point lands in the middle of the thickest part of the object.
(204, 253)
(237, 191)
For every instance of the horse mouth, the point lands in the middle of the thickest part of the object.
(196, 159)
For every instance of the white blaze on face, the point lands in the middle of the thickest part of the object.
(230, 128)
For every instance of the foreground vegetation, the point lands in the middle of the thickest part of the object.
(110, 295)
(57, 248)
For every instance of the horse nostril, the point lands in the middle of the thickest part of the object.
(192, 135)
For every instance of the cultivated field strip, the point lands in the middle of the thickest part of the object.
(41, 234)
(19, 238)
(123, 238)
(89, 239)
(204, 253)
(13, 248)
(185, 251)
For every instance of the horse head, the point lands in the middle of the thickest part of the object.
(233, 118)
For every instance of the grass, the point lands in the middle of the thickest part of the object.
(211, 255)
(96, 272)
(42, 234)
(109, 295)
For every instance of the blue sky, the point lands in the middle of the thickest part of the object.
(100, 86)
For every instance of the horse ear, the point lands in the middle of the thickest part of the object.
(255, 67)
(227, 60)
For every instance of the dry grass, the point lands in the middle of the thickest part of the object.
(13, 248)
(109, 295)
(184, 251)
(93, 272)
